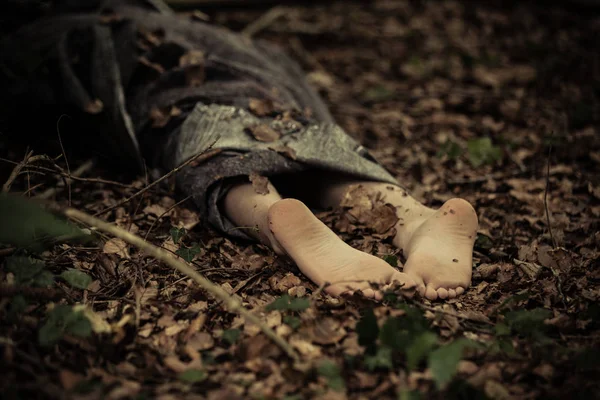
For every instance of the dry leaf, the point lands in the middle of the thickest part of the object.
(261, 107)
(260, 184)
(116, 246)
(285, 151)
(193, 63)
(264, 133)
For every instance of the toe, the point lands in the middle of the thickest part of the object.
(369, 293)
(459, 291)
(451, 293)
(442, 293)
(431, 293)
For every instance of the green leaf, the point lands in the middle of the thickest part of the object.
(288, 303)
(63, 320)
(483, 242)
(76, 278)
(192, 376)
(501, 329)
(444, 361)
(450, 149)
(414, 321)
(292, 322)
(17, 305)
(482, 151)
(528, 322)
(378, 94)
(394, 335)
(420, 348)
(367, 328)
(188, 253)
(406, 394)
(231, 335)
(391, 259)
(177, 234)
(25, 224)
(29, 271)
(381, 359)
(331, 372)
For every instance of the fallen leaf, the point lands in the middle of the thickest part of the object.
(264, 133)
(116, 246)
(193, 64)
(285, 150)
(260, 184)
(261, 107)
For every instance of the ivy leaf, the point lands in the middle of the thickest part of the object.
(76, 278)
(192, 376)
(25, 224)
(231, 335)
(391, 259)
(29, 271)
(188, 253)
(17, 305)
(331, 372)
(481, 151)
(177, 234)
(286, 302)
(292, 322)
(393, 334)
(378, 93)
(367, 328)
(406, 394)
(450, 149)
(501, 329)
(414, 321)
(528, 322)
(63, 320)
(420, 348)
(381, 359)
(444, 361)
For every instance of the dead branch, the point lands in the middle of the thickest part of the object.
(232, 304)
(199, 158)
(83, 168)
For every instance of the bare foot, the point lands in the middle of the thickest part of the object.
(440, 250)
(324, 257)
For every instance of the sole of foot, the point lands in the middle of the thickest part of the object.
(324, 258)
(440, 251)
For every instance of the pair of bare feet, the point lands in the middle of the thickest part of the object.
(438, 244)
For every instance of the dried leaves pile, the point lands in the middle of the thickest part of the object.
(456, 100)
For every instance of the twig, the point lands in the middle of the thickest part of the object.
(264, 21)
(232, 304)
(546, 197)
(29, 158)
(73, 177)
(62, 148)
(83, 168)
(199, 158)
(165, 213)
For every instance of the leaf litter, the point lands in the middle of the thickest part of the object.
(454, 99)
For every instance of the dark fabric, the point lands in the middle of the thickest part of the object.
(127, 55)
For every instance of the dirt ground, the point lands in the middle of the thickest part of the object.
(495, 102)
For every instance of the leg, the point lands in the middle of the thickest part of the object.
(325, 258)
(438, 244)
(288, 226)
(248, 210)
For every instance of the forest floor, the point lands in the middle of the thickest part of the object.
(499, 105)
